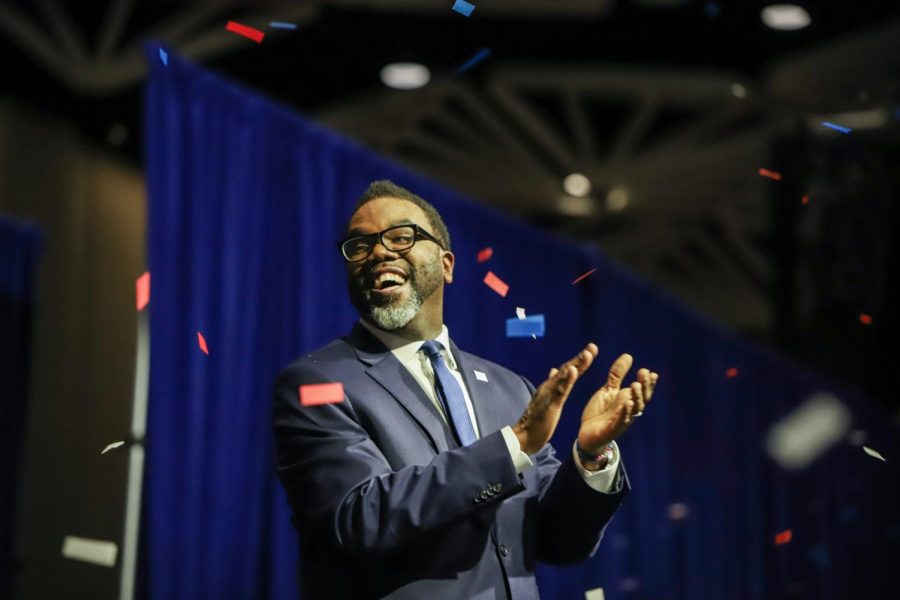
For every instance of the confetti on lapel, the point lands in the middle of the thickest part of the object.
(865, 319)
(479, 56)
(783, 538)
(520, 312)
(248, 32)
(775, 175)
(321, 393)
(594, 594)
(485, 254)
(164, 57)
(142, 289)
(532, 326)
(583, 276)
(202, 342)
(464, 8)
(732, 372)
(282, 25)
(496, 284)
(112, 446)
(836, 127)
(873, 453)
(480, 376)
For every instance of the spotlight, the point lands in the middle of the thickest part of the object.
(576, 184)
(785, 17)
(617, 199)
(405, 76)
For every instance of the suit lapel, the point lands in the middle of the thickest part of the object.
(480, 392)
(390, 374)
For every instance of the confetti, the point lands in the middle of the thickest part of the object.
(873, 453)
(808, 431)
(98, 552)
(836, 127)
(464, 8)
(529, 326)
(112, 446)
(805, 199)
(164, 57)
(142, 289)
(783, 538)
(594, 594)
(732, 372)
(865, 319)
(248, 32)
(496, 284)
(775, 175)
(480, 376)
(202, 342)
(479, 56)
(520, 312)
(583, 276)
(321, 393)
(282, 25)
(485, 254)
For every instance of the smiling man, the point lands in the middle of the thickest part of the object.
(429, 481)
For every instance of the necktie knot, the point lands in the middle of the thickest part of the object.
(432, 348)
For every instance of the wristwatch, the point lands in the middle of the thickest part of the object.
(601, 459)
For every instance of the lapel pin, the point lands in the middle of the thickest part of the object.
(480, 376)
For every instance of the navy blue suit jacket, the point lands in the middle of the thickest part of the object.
(386, 503)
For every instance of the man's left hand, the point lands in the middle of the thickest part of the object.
(612, 409)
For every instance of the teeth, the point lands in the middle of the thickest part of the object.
(381, 279)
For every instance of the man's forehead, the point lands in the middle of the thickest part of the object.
(384, 212)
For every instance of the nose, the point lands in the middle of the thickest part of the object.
(381, 253)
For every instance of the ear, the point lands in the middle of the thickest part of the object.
(447, 261)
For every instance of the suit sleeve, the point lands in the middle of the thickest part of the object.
(571, 515)
(344, 492)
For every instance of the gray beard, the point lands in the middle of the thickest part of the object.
(397, 315)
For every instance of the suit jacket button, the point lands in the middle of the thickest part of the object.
(477, 499)
(503, 550)
(496, 487)
(484, 495)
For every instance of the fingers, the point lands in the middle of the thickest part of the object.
(618, 371)
(584, 358)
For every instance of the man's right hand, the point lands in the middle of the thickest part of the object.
(537, 424)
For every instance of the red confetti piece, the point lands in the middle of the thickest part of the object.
(770, 174)
(248, 32)
(142, 287)
(485, 254)
(321, 393)
(805, 199)
(732, 372)
(496, 284)
(783, 538)
(583, 276)
(202, 342)
(865, 319)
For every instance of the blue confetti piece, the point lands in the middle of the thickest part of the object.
(480, 56)
(836, 127)
(464, 8)
(164, 57)
(282, 25)
(532, 326)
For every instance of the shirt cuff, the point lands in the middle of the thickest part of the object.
(601, 480)
(521, 461)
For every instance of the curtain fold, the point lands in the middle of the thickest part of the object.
(246, 203)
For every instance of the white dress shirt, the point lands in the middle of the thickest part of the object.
(419, 366)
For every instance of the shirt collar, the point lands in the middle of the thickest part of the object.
(405, 350)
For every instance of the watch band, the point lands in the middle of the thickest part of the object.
(602, 459)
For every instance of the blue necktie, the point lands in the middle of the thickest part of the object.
(451, 393)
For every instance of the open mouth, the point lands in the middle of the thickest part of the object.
(388, 283)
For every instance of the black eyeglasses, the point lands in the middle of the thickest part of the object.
(395, 239)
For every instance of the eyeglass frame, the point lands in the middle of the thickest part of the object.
(377, 238)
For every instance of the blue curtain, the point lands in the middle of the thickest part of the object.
(246, 202)
(20, 249)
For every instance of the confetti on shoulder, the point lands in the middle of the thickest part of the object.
(874, 453)
(583, 276)
(112, 446)
(315, 394)
(282, 25)
(464, 8)
(201, 341)
(142, 289)
(248, 32)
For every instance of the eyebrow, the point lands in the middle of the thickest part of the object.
(356, 231)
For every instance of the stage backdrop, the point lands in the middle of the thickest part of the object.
(247, 201)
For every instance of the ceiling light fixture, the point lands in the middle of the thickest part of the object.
(577, 184)
(405, 76)
(785, 17)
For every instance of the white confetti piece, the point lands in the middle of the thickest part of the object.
(112, 446)
(873, 453)
(808, 431)
(594, 594)
(480, 376)
(98, 552)
(520, 312)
